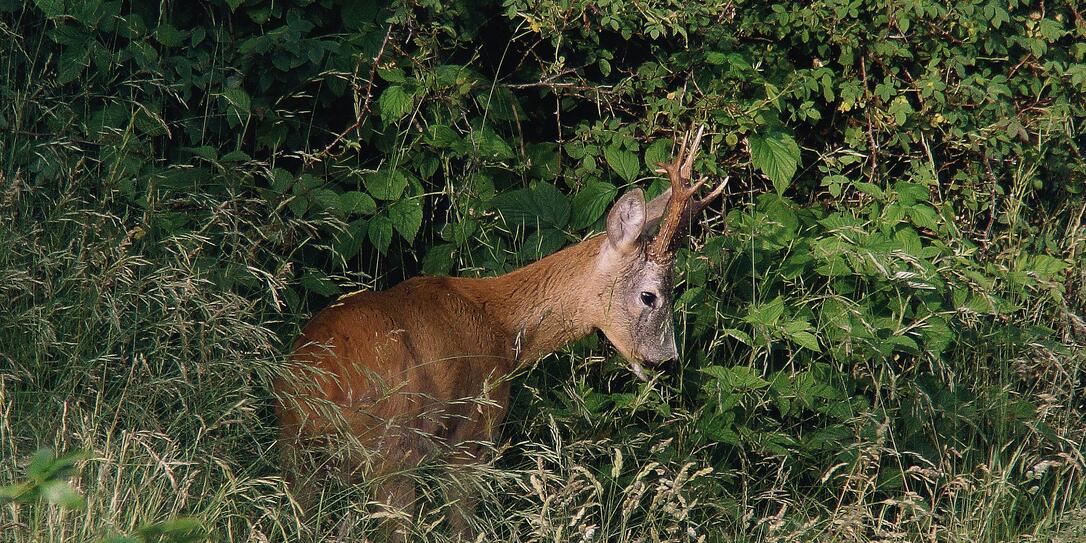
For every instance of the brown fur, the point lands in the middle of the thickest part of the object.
(403, 365)
(402, 371)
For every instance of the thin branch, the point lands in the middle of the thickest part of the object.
(362, 113)
(984, 241)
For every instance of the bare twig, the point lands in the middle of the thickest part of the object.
(870, 126)
(365, 103)
(984, 241)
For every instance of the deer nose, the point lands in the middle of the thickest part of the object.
(662, 353)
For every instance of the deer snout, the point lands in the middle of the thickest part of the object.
(660, 353)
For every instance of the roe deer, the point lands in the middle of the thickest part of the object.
(396, 367)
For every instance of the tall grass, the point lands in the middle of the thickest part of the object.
(152, 348)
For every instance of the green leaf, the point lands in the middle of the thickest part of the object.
(657, 153)
(355, 202)
(491, 145)
(439, 259)
(807, 340)
(238, 105)
(170, 36)
(177, 530)
(51, 8)
(61, 493)
(545, 160)
(590, 203)
(406, 217)
(766, 314)
(326, 199)
(777, 155)
(386, 184)
(380, 233)
(924, 216)
(442, 136)
(543, 204)
(623, 162)
(316, 281)
(394, 103)
(736, 377)
(541, 243)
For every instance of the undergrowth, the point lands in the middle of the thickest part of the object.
(881, 328)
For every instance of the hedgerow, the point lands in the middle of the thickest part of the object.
(881, 325)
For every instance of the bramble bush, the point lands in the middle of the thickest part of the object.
(881, 325)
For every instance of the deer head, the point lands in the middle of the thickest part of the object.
(639, 268)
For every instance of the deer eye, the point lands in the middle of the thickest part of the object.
(648, 298)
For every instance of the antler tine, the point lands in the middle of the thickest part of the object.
(700, 204)
(682, 206)
(684, 173)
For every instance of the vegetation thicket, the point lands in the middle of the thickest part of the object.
(881, 326)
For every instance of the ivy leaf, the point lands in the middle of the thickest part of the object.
(590, 203)
(394, 103)
(380, 233)
(386, 184)
(777, 155)
(623, 162)
(406, 217)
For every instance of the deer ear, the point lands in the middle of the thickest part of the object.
(626, 220)
(654, 210)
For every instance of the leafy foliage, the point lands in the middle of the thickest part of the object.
(888, 303)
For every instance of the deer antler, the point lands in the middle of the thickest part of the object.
(682, 207)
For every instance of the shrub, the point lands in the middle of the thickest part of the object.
(881, 327)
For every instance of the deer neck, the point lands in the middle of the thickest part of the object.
(548, 304)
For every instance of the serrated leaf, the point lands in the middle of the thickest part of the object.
(623, 162)
(491, 145)
(380, 233)
(924, 217)
(439, 259)
(299, 205)
(442, 136)
(325, 198)
(541, 243)
(170, 36)
(355, 202)
(51, 8)
(777, 155)
(766, 314)
(406, 217)
(394, 103)
(543, 204)
(736, 377)
(386, 184)
(590, 203)
(807, 340)
(545, 159)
